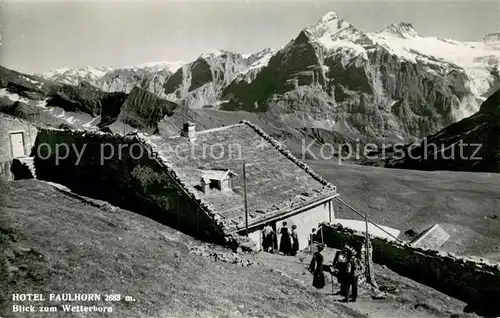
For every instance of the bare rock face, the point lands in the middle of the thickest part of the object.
(472, 144)
(143, 110)
(201, 82)
(125, 80)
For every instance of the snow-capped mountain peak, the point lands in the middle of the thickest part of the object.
(333, 32)
(330, 24)
(68, 75)
(330, 16)
(402, 30)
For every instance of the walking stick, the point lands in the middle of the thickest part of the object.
(332, 283)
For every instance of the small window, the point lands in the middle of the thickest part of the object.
(215, 184)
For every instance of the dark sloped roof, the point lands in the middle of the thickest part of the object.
(277, 182)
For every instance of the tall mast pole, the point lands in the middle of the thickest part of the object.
(245, 192)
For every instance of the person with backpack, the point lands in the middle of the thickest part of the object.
(353, 271)
(267, 238)
(340, 268)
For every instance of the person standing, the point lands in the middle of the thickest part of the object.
(316, 268)
(295, 240)
(285, 243)
(354, 269)
(267, 238)
(340, 265)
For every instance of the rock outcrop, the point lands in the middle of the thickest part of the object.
(472, 144)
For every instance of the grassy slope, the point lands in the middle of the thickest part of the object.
(463, 203)
(79, 248)
(76, 247)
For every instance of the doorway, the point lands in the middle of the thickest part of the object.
(17, 144)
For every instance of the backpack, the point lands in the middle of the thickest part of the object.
(355, 267)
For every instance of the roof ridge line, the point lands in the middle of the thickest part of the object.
(217, 128)
(288, 154)
(13, 117)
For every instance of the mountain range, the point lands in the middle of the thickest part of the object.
(332, 84)
(394, 84)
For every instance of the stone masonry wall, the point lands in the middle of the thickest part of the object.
(123, 171)
(476, 282)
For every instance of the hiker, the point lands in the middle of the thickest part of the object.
(285, 243)
(295, 240)
(354, 269)
(267, 238)
(316, 268)
(340, 268)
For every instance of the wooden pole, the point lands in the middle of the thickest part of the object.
(311, 242)
(333, 210)
(368, 272)
(322, 240)
(245, 192)
(330, 211)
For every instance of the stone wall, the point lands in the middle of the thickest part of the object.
(124, 171)
(5, 172)
(474, 281)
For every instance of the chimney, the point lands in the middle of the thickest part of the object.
(189, 131)
(205, 186)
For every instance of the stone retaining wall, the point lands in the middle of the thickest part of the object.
(5, 172)
(471, 280)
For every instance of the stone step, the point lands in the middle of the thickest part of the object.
(30, 164)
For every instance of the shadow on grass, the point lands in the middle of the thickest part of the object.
(128, 200)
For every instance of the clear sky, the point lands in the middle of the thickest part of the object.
(40, 36)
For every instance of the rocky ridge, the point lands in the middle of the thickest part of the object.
(471, 144)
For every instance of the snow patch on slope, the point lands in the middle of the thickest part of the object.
(57, 112)
(12, 96)
(261, 62)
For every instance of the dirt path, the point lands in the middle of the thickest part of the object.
(404, 297)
